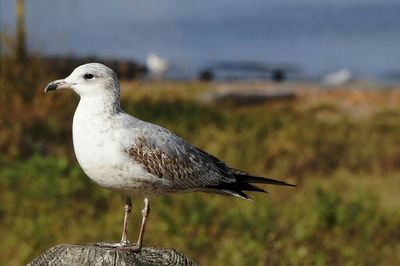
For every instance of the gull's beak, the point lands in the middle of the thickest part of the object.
(58, 84)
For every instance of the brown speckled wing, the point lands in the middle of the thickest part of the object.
(187, 167)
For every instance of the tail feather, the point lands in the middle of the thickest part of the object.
(262, 180)
(243, 183)
(247, 178)
(239, 194)
(250, 187)
(237, 187)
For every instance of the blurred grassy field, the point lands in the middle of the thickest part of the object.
(340, 146)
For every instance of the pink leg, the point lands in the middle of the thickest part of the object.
(139, 243)
(128, 210)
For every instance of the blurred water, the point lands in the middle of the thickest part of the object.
(318, 36)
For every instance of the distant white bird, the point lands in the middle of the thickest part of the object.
(156, 65)
(123, 153)
(337, 78)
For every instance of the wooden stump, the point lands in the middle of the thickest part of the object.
(65, 254)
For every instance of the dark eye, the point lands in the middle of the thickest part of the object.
(88, 76)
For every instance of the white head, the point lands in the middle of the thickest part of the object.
(88, 80)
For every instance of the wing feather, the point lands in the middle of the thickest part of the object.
(165, 155)
(170, 157)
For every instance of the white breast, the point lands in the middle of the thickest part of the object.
(100, 149)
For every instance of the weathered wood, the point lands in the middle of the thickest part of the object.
(65, 254)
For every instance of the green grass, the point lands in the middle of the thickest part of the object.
(345, 210)
(47, 200)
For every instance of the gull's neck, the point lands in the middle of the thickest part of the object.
(103, 105)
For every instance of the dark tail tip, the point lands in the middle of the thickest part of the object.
(262, 180)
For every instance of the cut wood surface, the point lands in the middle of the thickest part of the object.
(65, 254)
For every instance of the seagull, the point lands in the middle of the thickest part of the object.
(156, 65)
(337, 78)
(125, 154)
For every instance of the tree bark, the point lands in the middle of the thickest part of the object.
(65, 254)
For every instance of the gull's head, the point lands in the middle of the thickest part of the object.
(89, 80)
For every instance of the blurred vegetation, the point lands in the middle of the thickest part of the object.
(345, 210)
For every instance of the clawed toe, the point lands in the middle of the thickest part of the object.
(109, 245)
(133, 248)
(123, 246)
